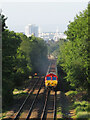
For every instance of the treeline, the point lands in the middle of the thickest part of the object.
(73, 57)
(21, 58)
(53, 46)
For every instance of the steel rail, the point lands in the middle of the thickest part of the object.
(32, 105)
(20, 109)
(54, 115)
(45, 105)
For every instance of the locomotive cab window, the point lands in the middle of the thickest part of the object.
(54, 78)
(48, 78)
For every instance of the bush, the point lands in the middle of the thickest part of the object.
(71, 93)
(83, 115)
(82, 109)
(19, 78)
(7, 95)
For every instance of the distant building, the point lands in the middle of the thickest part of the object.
(59, 35)
(56, 36)
(47, 35)
(31, 29)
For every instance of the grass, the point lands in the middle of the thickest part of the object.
(18, 94)
(79, 105)
(71, 93)
(59, 111)
(20, 90)
(16, 91)
(83, 115)
(82, 109)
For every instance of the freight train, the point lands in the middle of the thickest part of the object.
(51, 79)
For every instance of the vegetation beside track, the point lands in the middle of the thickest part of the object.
(79, 104)
(73, 105)
(22, 57)
(19, 94)
(73, 65)
(74, 54)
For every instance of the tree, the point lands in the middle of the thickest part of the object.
(35, 50)
(73, 55)
(21, 57)
(10, 43)
(2, 21)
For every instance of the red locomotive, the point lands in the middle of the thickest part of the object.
(51, 79)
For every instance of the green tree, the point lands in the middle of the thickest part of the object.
(35, 50)
(21, 57)
(10, 43)
(73, 55)
(2, 21)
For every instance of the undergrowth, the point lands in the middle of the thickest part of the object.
(80, 104)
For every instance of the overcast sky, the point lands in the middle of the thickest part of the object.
(47, 15)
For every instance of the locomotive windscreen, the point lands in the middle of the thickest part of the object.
(48, 78)
(53, 78)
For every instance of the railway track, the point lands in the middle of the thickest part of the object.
(49, 110)
(32, 105)
(43, 116)
(40, 103)
(28, 100)
(48, 106)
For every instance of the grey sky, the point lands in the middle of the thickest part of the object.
(47, 15)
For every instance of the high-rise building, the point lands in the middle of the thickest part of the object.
(31, 29)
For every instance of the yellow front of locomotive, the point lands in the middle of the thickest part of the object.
(49, 83)
(51, 80)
